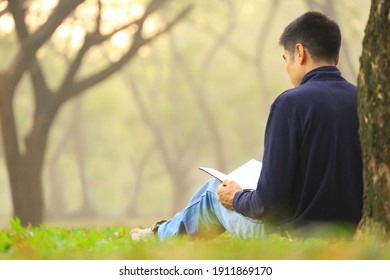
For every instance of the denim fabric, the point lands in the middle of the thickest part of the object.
(205, 217)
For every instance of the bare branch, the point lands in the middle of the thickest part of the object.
(155, 5)
(31, 43)
(152, 7)
(99, 17)
(4, 11)
(90, 40)
(38, 80)
(138, 42)
(233, 47)
(96, 38)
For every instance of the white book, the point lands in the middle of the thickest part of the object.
(246, 175)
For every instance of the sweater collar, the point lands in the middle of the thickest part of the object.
(327, 72)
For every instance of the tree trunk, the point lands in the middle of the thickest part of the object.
(24, 169)
(27, 191)
(26, 177)
(374, 116)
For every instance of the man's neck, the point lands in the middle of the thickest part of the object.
(313, 65)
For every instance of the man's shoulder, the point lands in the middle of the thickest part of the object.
(289, 97)
(310, 91)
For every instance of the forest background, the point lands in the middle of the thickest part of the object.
(128, 150)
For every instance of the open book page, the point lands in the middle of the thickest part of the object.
(246, 175)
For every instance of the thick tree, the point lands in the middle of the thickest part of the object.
(374, 116)
(24, 165)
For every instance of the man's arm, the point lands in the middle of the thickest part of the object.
(274, 187)
(226, 192)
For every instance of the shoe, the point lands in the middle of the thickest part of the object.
(149, 233)
(142, 234)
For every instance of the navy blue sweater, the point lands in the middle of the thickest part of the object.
(312, 166)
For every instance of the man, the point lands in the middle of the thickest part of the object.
(312, 166)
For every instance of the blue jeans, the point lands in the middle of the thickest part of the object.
(205, 217)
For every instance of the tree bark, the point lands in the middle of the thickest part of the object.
(374, 116)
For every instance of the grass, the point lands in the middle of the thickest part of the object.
(110, 243)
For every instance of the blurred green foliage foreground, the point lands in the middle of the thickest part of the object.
(107, 243)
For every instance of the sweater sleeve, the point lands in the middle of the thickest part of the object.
(274, 187)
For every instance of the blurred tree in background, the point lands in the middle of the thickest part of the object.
(130, 147)
(25, 167)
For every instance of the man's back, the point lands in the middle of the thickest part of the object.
(312, 167)
(328, 183)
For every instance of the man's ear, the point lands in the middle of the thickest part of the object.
(300, 52)
(337, 60)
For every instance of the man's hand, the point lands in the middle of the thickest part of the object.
(226, 192)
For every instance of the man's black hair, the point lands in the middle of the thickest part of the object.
(316, 32)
